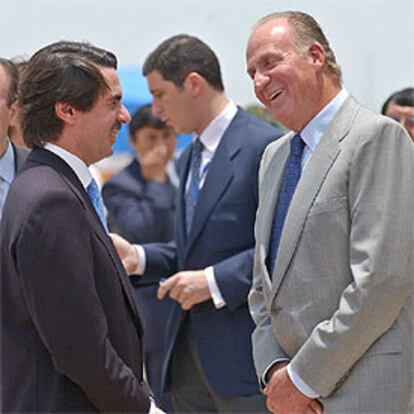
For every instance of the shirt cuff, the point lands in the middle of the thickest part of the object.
(142, 260)
(263, 379)
(214, 289)
(299, 384)
(153, 408)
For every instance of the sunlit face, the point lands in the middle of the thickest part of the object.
(149, 138)
(284, 78)
(99, 126)
(402, 114)
(173, 104)
(5, 110)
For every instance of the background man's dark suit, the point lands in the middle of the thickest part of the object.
(74, 331)
(143, 211)
(222, 236)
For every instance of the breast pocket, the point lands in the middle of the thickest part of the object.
(231, 227)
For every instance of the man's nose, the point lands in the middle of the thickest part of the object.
(123, 115)
(260, 80)
(156, 108)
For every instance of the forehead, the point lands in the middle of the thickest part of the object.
(272, 35)
(157, 81)
(394, 109)
(150, 131)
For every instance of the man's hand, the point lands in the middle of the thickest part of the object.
(187, 288)
(126, 251)
(284, 398)
(154, 162)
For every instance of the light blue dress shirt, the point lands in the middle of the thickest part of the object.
(7, 173)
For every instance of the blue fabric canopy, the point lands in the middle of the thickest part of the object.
(135, 93)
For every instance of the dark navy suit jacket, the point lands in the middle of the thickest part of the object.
(222, 236)
(70, 332)
(140, 210)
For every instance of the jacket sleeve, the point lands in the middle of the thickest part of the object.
(144, 214)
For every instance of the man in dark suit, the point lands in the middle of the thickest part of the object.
(140, 201)
(208, 364)
(70, 336)
(11, 157)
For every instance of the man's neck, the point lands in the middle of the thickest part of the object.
(216, 103)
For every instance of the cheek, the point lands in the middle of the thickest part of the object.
(259, 95)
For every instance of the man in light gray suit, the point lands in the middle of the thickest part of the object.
(332, 295)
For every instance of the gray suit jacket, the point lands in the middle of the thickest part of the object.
(20, 155)
(340, 303)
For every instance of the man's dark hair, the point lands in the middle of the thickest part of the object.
(404, 97)
(13, 75)
(178, 56)
(66, 72)
(145, 118)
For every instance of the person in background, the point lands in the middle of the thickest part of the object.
(15, 132)
(11, 156)
(70, 331)
(333, 288)
(140, 200)
(208, 364)
(400, 107)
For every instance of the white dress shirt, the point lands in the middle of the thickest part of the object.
(78, 166)
(210, 138)
(7, 173)
(311, 135)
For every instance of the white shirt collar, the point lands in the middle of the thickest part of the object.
(78, 166)
(212, 134)
(7, 164)
(313, 131)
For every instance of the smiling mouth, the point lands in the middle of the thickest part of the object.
(274, 96)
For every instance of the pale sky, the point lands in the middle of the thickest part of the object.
(372, 39)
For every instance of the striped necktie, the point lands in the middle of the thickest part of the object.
(191, 195)
(96, 198)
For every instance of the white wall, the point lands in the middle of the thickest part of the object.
(373, 39)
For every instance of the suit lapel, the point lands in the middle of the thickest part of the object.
(309, 186)
(183, 167)
(271, 185)
(219, 176)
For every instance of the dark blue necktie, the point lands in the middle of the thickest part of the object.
(96, 198)
(191, 195)
(290, 179)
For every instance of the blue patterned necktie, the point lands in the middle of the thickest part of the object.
(191, 195)
(96, 198)
(290, 179)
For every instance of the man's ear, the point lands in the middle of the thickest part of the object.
(194, 83)
(317, 54)
(14, 114)
(67, 113)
